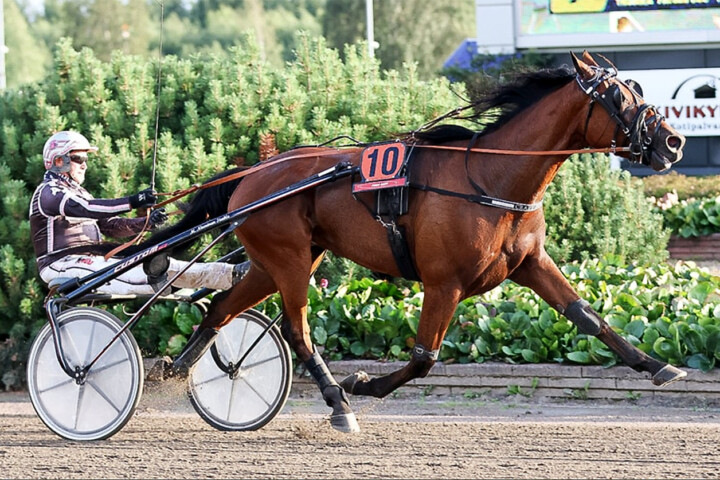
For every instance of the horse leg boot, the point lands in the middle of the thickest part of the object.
(360, 383)
(589, 322)
(342, 418)
(437, 313)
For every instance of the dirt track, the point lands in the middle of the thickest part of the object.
(401, 438)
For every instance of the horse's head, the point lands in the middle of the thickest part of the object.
(638, 125)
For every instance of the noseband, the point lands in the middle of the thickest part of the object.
(638, 130)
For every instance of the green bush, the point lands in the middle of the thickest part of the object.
(685, 187)
(670, 312)
(218, 112)
(214, 113)
(593, 211)
(693, 218)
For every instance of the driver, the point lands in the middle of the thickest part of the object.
(66, 224)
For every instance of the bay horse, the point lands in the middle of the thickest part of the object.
(459, 245)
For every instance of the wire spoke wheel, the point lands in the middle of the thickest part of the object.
(253, 395)
(102, 404)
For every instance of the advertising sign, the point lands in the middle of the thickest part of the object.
(597, 6)
(687, 97)
(568, 24)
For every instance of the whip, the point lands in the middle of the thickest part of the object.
(157, 100)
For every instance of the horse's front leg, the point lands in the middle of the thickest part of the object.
(438, 309)
(543, 276)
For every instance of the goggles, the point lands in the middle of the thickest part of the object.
(78, 158)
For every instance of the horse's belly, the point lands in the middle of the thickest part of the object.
(345, 227)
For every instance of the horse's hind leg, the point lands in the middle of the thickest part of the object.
(252, 289)
(438, 309)
(292, 282)
(542, 275)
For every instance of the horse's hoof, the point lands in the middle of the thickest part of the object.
(348, 383)
(172, 371)
(667, 374)
(345, 422)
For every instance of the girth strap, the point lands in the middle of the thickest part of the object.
(401, 251)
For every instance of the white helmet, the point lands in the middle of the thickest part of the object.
(62, 143)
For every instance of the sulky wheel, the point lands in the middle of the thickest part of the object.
(248, 397)
(102, 404)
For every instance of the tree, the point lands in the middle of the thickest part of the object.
(407, 30)
(27, 58)
(103, 25)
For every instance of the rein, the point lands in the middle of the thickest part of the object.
(527, 152)
(178, 194)
(639, 146)
(252, 169)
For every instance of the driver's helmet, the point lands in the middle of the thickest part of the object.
(60, 145)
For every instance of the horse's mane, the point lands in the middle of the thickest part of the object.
(496, 107)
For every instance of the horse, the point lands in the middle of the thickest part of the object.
(472, 220)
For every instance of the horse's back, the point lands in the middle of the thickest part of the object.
(328, 216)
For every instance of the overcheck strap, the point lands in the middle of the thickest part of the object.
(483, 199)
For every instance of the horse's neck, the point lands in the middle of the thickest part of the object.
(554, 123)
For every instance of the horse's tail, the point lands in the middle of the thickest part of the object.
(207, 203)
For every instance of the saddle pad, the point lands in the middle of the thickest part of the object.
(382, 166)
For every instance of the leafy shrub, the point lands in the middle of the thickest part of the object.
(693, 218)
(592, 211)
(215, 113)
(685, 187)
(165, 328)
(671, 313)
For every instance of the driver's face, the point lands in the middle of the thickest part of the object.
(78, 166)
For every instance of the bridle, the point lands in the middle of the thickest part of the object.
(638, 131)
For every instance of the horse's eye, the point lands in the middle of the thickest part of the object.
(635, 86)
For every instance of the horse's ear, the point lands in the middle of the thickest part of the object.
(582, 68)
(589, 59)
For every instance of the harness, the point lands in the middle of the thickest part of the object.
(392, 190)
(481, 197)
(392, 203)
(384, 169)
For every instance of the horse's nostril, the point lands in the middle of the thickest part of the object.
(674, 143)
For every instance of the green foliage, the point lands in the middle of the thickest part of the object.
(133, 27)
(27, 58)
(407, 31)
(592, 211)
(693, 218)
(690, 206)
(685, 187)
(165, 329)
(671, 313)
(213, 113)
